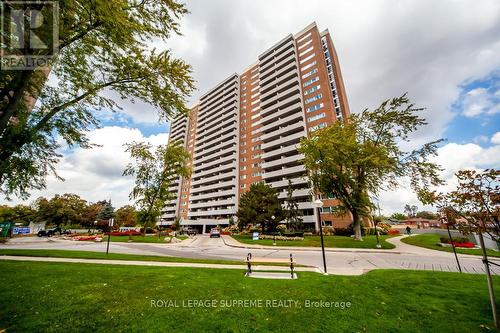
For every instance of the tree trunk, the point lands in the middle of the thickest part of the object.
(356, 222)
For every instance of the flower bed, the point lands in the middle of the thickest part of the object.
(87, 238)
(125, 233)
(281, 238)
(393, 232)
(468, 245)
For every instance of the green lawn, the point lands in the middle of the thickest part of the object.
(111, 256)
(140, 239)
(369, 242)
(64, 297)
(430, 241)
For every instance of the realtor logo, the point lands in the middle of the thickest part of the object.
(29, 34)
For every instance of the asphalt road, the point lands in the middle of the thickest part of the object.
(338, 262)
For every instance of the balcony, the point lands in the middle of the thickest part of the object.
(284, 141)
(284, 171)
(213, 203)
(206, 158)
(231, 174)
(293, 90)
(283, 131)
(284, 183)
(306, 192)
(214, 212)
(214, 170)
(231, 183)
(282, 161)
(212, 195)
(294, 117)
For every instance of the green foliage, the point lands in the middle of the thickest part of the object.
(125, 216)
(176, 225)
(258, 206)
(398, 216)
(107, 212)
(61, 209)
(427, 215)
(104, 55)
(292, 214)
(154, 171)
(360, 157)
(17, 214)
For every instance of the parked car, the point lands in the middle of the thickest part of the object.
(53, 231)
(189, 231)
(214, 233)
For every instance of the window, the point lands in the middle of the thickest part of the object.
(317, 127)
(303, 38)
(307, 58)
(312, 99)
(256, 174)
(315, 107)
(311, 81)
(243, 151)
(243, 159)
(316, 117)
(243, 186)
(257, 147)
(256, 165)
(243, 136)
(306, 43)
(308, 66)
(243, 177)
(256, 139)
(242, 168)
(312, 89)
(311, 72)
(255, 155)
(309, 49)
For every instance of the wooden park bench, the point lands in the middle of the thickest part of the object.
(255, 260)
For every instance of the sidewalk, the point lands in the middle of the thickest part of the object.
(230, 241)
(156, 263)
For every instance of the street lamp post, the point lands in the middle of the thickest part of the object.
(318, 204)
(274, 237)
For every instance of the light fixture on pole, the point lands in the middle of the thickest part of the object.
(318, 204)
(274, 237)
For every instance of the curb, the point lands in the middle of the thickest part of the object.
(329, 249)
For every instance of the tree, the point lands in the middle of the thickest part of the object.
(107, 211)
(427, 215)
(292, 214)
(154, 171)
(17, 214)
(126, 216)
(398, 216)
(360, 157)
(258, 206)
(411, 211)
(474, 206)
(104, 55)
(90, 213)
(61, 209)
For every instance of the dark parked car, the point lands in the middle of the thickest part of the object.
(53, 231)
(214, 233)
(190, 231)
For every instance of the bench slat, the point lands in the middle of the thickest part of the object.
(267, 260)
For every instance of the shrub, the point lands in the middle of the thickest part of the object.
(281, 238)
(328, 231)
(308, 233)
(344, 231)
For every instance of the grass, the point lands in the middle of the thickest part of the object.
(140, 239)
(110, 256)
(65, 297)
(120, 256)
(430, 241)
(369, 242)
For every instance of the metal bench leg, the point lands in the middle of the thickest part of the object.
(291, 265)
(249, 264)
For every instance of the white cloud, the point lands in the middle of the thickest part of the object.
(452, 157)
(495, 139)
(96, 174)
(480, 101)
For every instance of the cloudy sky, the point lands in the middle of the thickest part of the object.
(445, 54)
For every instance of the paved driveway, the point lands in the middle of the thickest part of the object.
(338, 262)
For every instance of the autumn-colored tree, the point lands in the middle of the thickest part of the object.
(356, 159)
(126, 216)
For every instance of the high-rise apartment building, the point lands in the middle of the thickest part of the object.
(247, 128)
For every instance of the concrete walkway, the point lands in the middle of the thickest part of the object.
(230, 241)
(156, 263)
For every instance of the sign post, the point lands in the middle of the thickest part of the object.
(110, 224)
